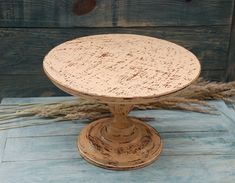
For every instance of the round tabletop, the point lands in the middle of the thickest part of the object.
(121, 67)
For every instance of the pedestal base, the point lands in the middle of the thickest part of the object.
(130, 147)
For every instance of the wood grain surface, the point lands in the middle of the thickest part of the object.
(173, 13)
(230, 70)
(57, 13)
(27, 85)
(21, 62)
(112, 13)
(201, 26)
(198, 148)
(209, 44)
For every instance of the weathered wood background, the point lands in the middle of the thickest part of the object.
(30, 28)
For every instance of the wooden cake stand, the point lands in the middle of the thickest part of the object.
(120, 70)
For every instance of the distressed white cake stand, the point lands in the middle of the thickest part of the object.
(120, 70)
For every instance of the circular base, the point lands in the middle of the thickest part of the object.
(135, 146)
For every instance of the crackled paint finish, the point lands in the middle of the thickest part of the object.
(121, 70)
(121, 66)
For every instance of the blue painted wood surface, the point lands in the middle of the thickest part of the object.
(198, 148)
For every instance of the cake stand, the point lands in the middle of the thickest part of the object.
(120, 70)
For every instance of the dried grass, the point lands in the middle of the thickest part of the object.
(193, 98)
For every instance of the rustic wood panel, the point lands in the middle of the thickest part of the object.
(64, 147)
(229, 113)
(167, 169)
(34, 100)
(41, 148)
(27, 85)
(3, 139)
(173, 12)
(33, 85)
(22, 50)
(189, 156)
(59, 13)
(230, 74)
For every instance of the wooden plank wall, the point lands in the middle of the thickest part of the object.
(230, 74)
(30, 28)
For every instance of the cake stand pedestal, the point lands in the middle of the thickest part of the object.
(119, 142)
(120, 70)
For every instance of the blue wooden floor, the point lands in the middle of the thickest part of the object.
(198, 148)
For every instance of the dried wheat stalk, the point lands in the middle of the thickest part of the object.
(193, 98)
